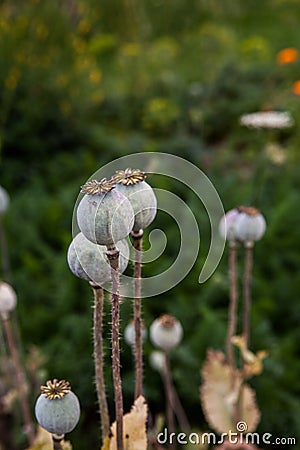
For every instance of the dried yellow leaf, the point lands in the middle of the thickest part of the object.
(43, 441)
(222, 391)
(106, 443)
(134, 428)
(252, 362)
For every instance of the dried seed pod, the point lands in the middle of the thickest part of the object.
(140, 194)
(104, 215)
(89, 262)
(8, 299)
(250, 225)
(57, 409)
(228, 223)
(129, 333)
(166, 332)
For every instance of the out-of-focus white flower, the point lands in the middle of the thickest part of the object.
(129, 333)
(4, 200)
(8, 299)
(267, 119)
(275, 153)
(157, 360)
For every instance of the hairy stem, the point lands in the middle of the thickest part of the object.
(247, 290)
(20, 379)
(232, 312)
(98, 359)
(113, 256)
(57, 441)
(138, 347)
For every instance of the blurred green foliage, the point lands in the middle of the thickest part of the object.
(85, 82)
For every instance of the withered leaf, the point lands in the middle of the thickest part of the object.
(221, 391)
(134, 427)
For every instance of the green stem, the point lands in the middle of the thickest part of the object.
(138, 347)
(113, 256)
(98, 358)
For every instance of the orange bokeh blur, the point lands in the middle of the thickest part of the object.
(296, 87)
(287, 55)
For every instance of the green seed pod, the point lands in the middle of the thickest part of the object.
(104, 215)
(250, 225)
(57, 409)
(8, 299)
(89, 262)
(4, 200)
(140, 194)
(166, 332)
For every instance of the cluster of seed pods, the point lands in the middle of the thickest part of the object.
(107, 213)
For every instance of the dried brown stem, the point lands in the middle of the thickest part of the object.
(138, 347)
(247, 290)
(169, 398)
(232, 313)
(98, 359)
(172, 394)
(57, 441)
(179, 411)
(113, 256)
(20, 379)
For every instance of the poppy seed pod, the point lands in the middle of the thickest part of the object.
(129, 333)
(228, 223)
(104, 215)
(4, 200)
(250, 225)
(166, 332)
(57, 409)
(8, 299)
(140, 194)
(89, 262)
